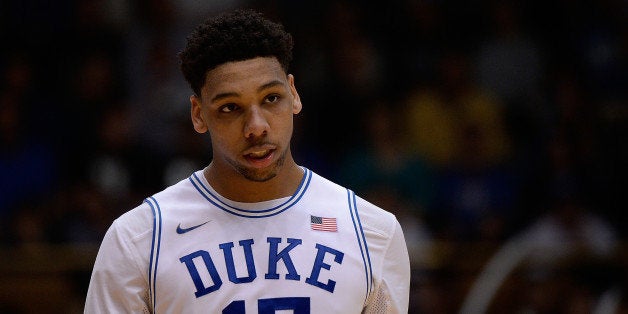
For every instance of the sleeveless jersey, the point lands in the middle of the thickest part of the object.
(187, 249)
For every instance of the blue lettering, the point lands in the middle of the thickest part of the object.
(320, 263)
(208, 280)
(274, 257)
(298, 305)
(201, 290)
(250, 263)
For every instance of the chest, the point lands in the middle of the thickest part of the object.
(220, 259)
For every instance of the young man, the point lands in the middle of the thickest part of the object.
(253, 232)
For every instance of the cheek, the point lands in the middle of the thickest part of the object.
(287, 130)
(220, 140)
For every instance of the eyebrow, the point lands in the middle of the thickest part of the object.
(234, 94)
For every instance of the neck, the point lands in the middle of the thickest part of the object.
(236, 187)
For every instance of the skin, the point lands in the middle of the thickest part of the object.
(247, 107)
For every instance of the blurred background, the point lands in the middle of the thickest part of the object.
(494, 130)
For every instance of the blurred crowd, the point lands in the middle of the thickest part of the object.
(472, 121)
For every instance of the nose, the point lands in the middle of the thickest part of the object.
(255, 124)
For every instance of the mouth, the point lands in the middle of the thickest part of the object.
(260, 156)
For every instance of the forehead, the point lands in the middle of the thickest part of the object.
(239, 76)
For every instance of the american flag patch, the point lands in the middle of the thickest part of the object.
(323, 224)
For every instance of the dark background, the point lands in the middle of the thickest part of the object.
(473, 121)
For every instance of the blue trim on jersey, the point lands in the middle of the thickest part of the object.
(216, 201)
(361, 241)
(154, 250)
(368, 254)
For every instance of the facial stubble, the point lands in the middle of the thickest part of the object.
(259, 175)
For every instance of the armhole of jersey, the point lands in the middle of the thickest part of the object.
(361, 238)
(154, 250)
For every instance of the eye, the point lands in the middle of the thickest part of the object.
(228, 108)
(273, 98)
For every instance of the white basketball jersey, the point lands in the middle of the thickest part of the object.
(189, 250)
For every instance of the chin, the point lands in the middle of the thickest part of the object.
(259, 175)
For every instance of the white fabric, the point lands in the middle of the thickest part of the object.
(144, 265)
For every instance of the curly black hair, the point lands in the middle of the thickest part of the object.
(233, 36)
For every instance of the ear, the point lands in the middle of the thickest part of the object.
(296, 100)
(197, 116)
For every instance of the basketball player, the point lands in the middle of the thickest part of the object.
(253, 232)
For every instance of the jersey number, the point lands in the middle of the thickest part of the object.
(269, 306)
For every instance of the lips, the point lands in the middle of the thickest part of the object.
(260, 156)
